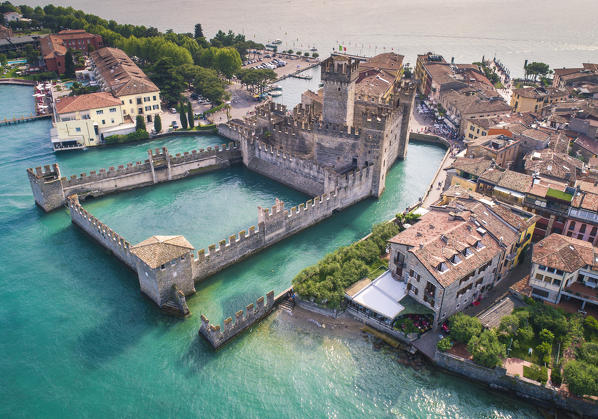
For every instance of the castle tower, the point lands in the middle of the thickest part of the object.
(164, 268)
(339, 74)
(46, 185)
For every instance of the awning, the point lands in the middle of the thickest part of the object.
(382, 296)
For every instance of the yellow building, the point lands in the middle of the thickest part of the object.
(116, 73)
(534, 99)
(85, 120)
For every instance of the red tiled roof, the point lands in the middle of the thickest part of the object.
(86, 102)
(564, 253)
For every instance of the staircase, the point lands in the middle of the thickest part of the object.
(287, 305)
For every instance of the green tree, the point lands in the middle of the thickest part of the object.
(544, 350)
(183, 116)
(140, 123)
(3, 59)
(486, 350)
(464, 327)
(157, 124)
(536, 69)
(508, 325)
(32, 55)
(69, 65)
(444, 344)
(171, 83)
(190, 116)
(591, 325)
(546, 335)
(315, 55)
(588, 352)
(581, 378)
(198, 31)
(228, 62)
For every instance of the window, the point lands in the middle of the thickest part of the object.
(154, 97)
(146, 99)
(559, 272)
(148, 108)
(78, 129)
(112, 120)
(479, 245)
(455, 260)
(103, 122)
(156, 107)
(112, 109)
(467, 252)
(539, 277)
(131, 101)
(442, 267)
(572, 225)
(100, 112)
(557, 282)
(411, 272)
(139, 101)
(542, 267)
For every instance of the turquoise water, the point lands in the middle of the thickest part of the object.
(78, 339)
(12, 62)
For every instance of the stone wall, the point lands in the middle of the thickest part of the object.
(103, 234)
(50, 189)
(218, 336)
(497, 378)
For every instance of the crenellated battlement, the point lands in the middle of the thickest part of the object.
(218, 336)
(46, 173)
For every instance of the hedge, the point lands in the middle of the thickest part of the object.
(536, 373)
(133, 136)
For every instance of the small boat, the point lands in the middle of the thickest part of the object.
(275, 87)
(303, 76)
(313, 49)
(275, 93)
(277, 42)
(321, 84)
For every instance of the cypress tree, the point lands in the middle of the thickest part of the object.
(157, 124)
(69, 65)
(190, 116)
(139, 123)
(183, 116)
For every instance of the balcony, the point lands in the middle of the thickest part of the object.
(580, 291)
(544, 285)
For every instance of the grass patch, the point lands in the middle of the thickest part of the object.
(560, 195)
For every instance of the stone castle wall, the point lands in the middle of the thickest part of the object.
(218, 336)
(50, 189)
(103, 234)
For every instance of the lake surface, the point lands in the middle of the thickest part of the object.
(78, 338)
(556, 32)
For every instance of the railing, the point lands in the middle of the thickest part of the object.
(545, 285)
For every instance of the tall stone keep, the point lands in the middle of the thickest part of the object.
(339, 74)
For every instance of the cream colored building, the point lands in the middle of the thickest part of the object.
(116, 73)
(85, 120)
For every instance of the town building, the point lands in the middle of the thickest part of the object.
(422, 71)
(553, 165)
(501, 148)
(472, 104)
(86, 120)
(116, 73)
(12, 17)
(55, 46)
(5, 32)
(565, 269)
(534, 99)
(456, 253)
(17, 43)
(572, 77)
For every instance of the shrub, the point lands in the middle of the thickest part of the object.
(133, 136)
(463, 327)
(536, 373)
(485, 349)
(591, 325)
(444, 344)
(555, 376)
(544, 350)
(588, 352)
(140, 123)
(581, 378)
(546, 335)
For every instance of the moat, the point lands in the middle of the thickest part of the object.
(78, 333)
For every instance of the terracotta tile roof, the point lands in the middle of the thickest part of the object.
(388, 61)
(585, 200)
(158, 250)
(120, 73)
(588, 186)
(476, 166)
(552, 164)
(86, 102)
(515, 181)
(439, 235)
(587, 143)
(374, 83)
(564, 253)
(468, 101)
(51, 46)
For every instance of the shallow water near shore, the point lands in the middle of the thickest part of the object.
(78, 338)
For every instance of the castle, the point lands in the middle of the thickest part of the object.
(337, 146)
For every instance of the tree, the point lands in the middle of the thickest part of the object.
(444, 344)
(485, 349)
(183, 116)
(463, 327)
(544, 350)
(190, 116)
(157, 124)
(140, 123)
(588, 352)
(69, 65)
(581, 378)
(198, 31)
(3, 59)
(591, 325)
(228, 62)
(164, 73)
(508, 325)
(537, 69)
(546, 335)
(315, 55)
(32, 55)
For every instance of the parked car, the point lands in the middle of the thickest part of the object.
(172, 110)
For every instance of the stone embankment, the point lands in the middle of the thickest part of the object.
(498, 379)
(50, 189)
(217, 336)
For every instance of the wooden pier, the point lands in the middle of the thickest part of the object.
(23, 119)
